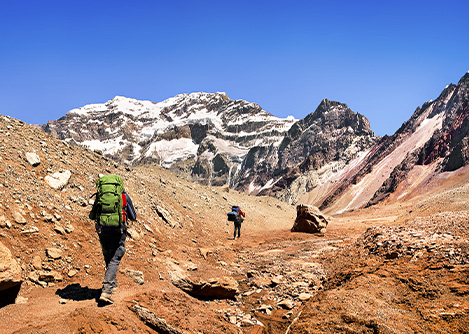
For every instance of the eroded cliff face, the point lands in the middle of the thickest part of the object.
(434, 139)
(314, 148)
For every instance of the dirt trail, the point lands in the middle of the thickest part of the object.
(271, 267)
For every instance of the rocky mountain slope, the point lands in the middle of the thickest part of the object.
(315, 147)
(213, 140)
(330, 159)
(399, 266)
(431, 142)
(202, 136)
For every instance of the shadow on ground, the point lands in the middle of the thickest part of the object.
(77, 292)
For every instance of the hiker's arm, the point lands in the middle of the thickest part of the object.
(131, 214)
(93, 211)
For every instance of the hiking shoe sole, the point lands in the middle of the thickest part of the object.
(106, 298)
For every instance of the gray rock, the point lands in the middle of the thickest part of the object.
(136, 276)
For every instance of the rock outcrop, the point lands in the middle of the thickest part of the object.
(220, 288)
(309, 219)
(10, 277)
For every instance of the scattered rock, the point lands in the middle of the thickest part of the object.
(18, 217)
(133, 234)
(153, 321)
(59, 229)
(54, 253)
(72, 273)
(49, 276)
(136, 276)
(4, 223)
(252, 273)
(32, 229)
(286, 304)
(204, 252)
(33, 159)
(37, 262)
(304, 296)
(21, 300)
(58, 180)
(69, 227)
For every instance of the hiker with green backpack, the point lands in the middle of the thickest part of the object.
(111, 209)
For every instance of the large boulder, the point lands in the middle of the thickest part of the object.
(10, 277)
(309, 219)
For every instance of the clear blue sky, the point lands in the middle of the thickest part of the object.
(382, 58)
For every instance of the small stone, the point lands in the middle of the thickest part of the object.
(18, 217)
(136, 276)
(62, 301)
(286, 304)
(59, 229)
(58, 180)
(276, 280)
(48, 217)
(304, 296)
(21, 300)
(37, 262)
(33, 159)
(54, 253)
(134, 235)
(69, 228)
(72, 273)
(192, 267)
(4, 222)
(33, 229)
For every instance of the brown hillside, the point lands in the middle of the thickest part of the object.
(407, 273)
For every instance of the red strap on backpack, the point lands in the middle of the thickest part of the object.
(124, 204)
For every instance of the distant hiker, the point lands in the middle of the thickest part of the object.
(111, 209)
(236, 216)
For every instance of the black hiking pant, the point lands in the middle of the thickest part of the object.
(113, 246)
(237, 227)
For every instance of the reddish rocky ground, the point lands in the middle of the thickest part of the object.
(399, 267)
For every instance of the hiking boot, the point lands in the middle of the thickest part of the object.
(106, 298)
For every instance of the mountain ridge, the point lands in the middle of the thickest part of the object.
(321, 159)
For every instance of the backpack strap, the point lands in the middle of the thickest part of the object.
(124, 204)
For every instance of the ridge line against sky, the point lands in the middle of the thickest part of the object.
(382, 59)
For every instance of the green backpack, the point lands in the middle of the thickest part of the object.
(108, 206)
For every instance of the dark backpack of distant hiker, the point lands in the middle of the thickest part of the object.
(108, 208)
(233, 216)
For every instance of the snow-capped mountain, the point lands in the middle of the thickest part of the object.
(206, 135)
(330, 159)
(212, 139)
